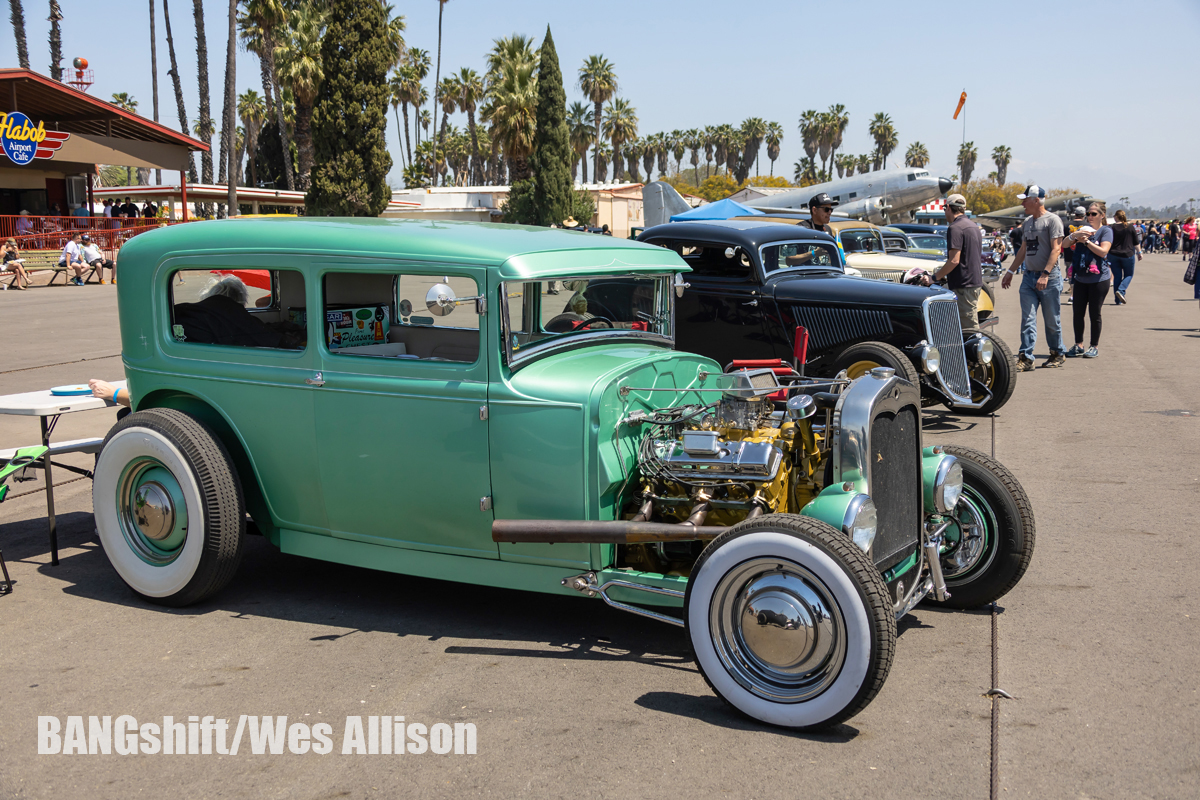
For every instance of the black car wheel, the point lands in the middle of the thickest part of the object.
(999, 376)
(990, 542)
(859, 359)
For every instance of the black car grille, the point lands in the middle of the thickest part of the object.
(896, 484)
(829, 327)
(945, 331)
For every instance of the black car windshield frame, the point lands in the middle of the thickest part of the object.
(835, 252)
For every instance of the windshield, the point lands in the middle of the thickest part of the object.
(541, 315)
(807, 255)
(929, 241)
(862, 240)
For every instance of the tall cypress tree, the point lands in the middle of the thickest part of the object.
(547, 197)
(351, 160)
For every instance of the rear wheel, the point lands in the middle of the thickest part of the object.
(859, 359)
(169, 507)
(790, 622)
(999, 376)
(990, 541)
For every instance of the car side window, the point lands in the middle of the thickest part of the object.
(384, 315)
(238, 307)
(707, 260)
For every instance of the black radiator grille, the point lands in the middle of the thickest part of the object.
(896, 484)
(829, 327)
(945, 331)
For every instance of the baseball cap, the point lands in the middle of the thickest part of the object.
(87, 238)
(1033, 190)
(1079, 211)
(822, 199)
(956, 200)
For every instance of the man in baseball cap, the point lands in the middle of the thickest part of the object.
(820, 209)
(963, 269)
(1041, 286)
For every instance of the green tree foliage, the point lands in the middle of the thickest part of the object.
(550, 186)
(351, 160)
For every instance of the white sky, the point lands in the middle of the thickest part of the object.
(1093, 98)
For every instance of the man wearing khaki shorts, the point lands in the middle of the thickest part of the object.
(963, 269)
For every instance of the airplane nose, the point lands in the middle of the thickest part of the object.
(944, 184)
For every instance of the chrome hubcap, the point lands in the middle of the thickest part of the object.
(153, 511)
(778, 630)
(975, 528)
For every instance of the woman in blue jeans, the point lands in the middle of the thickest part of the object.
(1123, 255)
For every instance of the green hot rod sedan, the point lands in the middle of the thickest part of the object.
(503, 406)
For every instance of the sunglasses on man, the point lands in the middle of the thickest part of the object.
(826, 209)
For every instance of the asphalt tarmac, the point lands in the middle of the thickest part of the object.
(1099, 644)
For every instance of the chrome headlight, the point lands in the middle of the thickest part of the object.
(861, 522)
(930, 358)
(980, 349)
(948, 485)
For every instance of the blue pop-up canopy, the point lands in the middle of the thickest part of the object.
(722, 209)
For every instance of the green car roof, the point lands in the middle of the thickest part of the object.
(517, 251)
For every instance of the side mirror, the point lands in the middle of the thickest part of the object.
(440, 301)
(680, 285)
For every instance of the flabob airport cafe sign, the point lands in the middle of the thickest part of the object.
(23, 141)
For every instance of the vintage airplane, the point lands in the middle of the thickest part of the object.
(1008, 217)
(890, 195)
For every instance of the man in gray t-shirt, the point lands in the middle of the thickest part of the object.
(1041, 245)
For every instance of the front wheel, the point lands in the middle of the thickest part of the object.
(169, 507)
(990, 542)
(999, 376)
(859, 359)
(789, 622)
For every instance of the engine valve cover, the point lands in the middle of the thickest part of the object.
(757, 460)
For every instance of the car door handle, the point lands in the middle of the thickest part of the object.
(316, 380)
(751, 303)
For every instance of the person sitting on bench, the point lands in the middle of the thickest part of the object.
(93, 257)
(13, 263)
(72, 258)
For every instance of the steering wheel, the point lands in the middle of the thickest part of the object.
(585, 323)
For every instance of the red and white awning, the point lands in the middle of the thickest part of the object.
(938, 205)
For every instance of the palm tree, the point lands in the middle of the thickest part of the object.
(880, 129)
(153, 67)
(266, 16)
(228, 171)
(125, 102)
(18, 22)
(298, 59)
(694, 143)
(205, 131)
(967, 154)
(754, 129)
(633, 154)
(839, 120)
(649, 151)
(174, 73)
(437, 75)
(515, 49)
(710, 141)
(845, 164)
(810, 132)
(394, 32)
(419, 61)
(253, 113)
(1001, 156)
(890, 142)
(397, 97)
(917, 155)
(733, 154)
(468, 89)
(579, 127)
(598, 81)
(678, 140)
(721, 144)
(512, 114)
(603, 154)
(774, 138)
(56, 71)
(864, 163)
(805, 171)
(620, 126)
(447, 92)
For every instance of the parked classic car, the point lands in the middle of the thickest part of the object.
(410, 397)
(753, 284)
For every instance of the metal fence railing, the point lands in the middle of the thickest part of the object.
(108, 238)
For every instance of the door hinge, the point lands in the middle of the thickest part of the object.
(481, 306)
(485, 503)
(483, 413)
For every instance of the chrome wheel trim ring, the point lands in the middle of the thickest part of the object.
(977, 528)
(777, 630)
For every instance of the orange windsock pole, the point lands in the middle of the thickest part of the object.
(962, 101)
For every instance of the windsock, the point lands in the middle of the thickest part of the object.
(962, 101)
